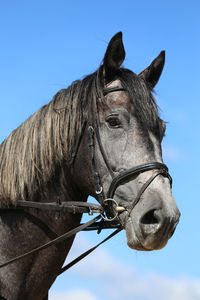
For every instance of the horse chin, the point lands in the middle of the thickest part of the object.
(135, 239)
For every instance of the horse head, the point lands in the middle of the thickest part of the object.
(126, 172)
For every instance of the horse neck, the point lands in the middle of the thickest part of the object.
(34, 162)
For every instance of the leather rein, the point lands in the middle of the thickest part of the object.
(108, 209)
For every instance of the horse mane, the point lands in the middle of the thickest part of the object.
(34, 154)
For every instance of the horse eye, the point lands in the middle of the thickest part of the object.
(113, 122)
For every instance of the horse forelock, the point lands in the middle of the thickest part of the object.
(39, 149)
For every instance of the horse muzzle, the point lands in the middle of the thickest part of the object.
(149, 227)
(148, 224)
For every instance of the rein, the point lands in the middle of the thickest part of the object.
(108, 209)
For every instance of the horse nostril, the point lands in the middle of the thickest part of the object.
(150, 222)
(149, 218)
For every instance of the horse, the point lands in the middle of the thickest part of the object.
(102, 137)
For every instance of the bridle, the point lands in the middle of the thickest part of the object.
(108, 202)
(109, 209)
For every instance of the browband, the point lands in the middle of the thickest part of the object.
(113, 89)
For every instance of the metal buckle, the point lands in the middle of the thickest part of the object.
(93, 211)
(98, 192)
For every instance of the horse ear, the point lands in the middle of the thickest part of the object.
(152, 73)
(114, 55)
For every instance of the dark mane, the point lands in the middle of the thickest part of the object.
(38, 150)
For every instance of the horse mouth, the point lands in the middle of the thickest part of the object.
(146, 236)
(144, 239)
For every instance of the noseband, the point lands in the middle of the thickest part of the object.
(108, 202)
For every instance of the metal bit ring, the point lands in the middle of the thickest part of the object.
(115, 216)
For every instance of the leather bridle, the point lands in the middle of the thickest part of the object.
(108, 202)
(109, 209)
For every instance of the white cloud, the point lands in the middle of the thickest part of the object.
(72, 295)
(156, 287)
(101, 262)
(114, 280)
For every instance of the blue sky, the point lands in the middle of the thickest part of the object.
(45, 45)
